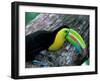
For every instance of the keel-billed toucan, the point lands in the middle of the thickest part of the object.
(52, 41)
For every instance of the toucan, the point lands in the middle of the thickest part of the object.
(52, 41)
(41, 40)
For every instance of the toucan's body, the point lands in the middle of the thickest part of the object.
(52, 41)
(38, 41)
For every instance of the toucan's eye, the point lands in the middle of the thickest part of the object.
(66, 32)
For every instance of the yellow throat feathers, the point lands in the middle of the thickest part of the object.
(59, 41)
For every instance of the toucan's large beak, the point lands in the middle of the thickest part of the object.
(76, 40)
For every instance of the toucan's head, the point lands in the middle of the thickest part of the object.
(63, 30)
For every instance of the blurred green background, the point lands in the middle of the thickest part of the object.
(30, 16)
